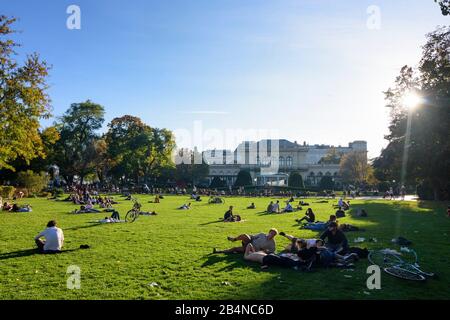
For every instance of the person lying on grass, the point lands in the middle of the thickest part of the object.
(17, 208)
(261, 242)
(230, 217)
(110, 220)
(7, 206)
(294, 246)
(268, 259)
(318, 225)
(336, 239)
(185, 206)
(54, 239)
(87, 209)
(148, 213)
(252, 206)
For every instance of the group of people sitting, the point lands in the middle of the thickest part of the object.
(331, 249)
(14, 207)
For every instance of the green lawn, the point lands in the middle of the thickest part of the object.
(173, 249)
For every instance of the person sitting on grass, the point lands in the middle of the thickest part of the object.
(330, 258)
(310, 217)
(288, 208)
(185, 206)
(230, 217)
(270, 207)
(261, 242)
(54, 239)
(302, 203)
(336, 239)
(252, 206)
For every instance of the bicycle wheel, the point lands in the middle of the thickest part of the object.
(383, 259)
(404, 274)
(131, 216)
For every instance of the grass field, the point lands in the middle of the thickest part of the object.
(173, 250)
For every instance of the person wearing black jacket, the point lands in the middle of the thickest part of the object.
(336, 239)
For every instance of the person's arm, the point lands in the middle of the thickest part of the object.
(39, 235)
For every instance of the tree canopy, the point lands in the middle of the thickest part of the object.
(418, 151)
(23, 101)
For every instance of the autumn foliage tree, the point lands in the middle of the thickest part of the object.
(23, 101)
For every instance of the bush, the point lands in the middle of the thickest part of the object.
(326, 183)
(7, 192)
(57, 192)
(34, 182)
(295, 180)
(217, 183)
(243, 179)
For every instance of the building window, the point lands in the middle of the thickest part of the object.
(281, 162)
(289, 161)
(328, 174)
(320, 174)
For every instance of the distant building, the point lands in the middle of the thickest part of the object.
(271, 161)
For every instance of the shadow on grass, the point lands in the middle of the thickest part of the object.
(234, 261)
(211, 222)
(92, 224)
(27, 253)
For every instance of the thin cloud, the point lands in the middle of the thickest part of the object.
(206, 112)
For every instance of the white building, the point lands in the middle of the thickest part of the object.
(271, 161)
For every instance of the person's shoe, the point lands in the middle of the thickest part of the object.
(264, 267)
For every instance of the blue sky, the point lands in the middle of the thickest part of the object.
(302, 70)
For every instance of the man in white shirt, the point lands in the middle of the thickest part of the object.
(54, 239)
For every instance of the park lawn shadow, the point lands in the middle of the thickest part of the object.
(211, 222)
(29, 252)
(233, 260)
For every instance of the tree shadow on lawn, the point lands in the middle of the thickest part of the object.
(90, 225)
(28, 252)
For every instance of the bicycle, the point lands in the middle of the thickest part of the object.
(134, 213)
(395, 265)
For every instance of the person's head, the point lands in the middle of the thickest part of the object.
(332, 218)
(333, 226)
(51, 223)
(319, 243)
(231, 208)
(272, 233)
(278, 201)
(302, 243)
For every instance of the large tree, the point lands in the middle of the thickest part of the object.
(137, 150)
(354, 168)
(418, 151)
(75, 151)
(23, 101)
(243, 179)
(190, 166)
(295, 180)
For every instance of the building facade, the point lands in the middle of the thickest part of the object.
(270, 162)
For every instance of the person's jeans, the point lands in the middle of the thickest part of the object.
(40, 244)
(334, 247)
